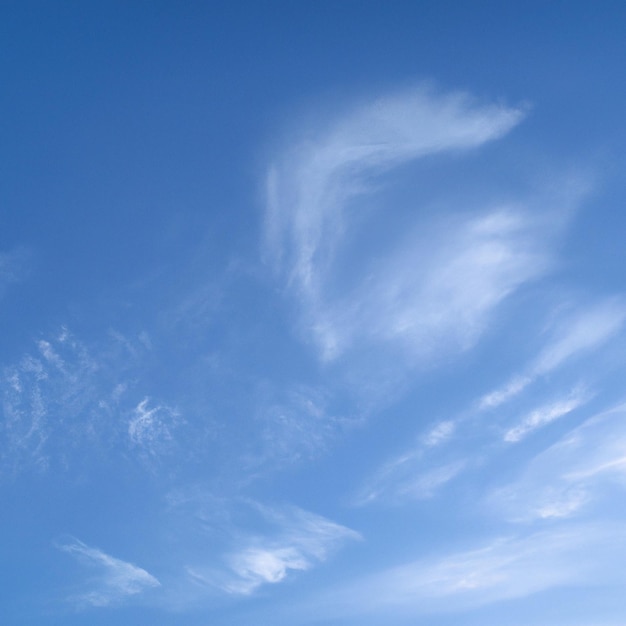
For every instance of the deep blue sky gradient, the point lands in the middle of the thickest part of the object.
(169, 405)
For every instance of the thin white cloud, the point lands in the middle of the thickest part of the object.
(499, 396)
(388, 477)
(422, 293)
(315, 534)
(440, 433)
(410, 476)
(151, 428)
(308, 188)
(587, 330)
(305, 539)
(44, 396)
(436, 295)
(427, 483)
(295, 424)
(25, 429)
(581, 332)
(114, 580)
(66, 402)
(544, 415)
(294, 540)
(257, 566)
(566, 478)
(506, 568)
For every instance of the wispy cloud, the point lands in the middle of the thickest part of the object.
(296, 424)
(308, 188)
(439, 433)
(66, 401)
(151, 428)
(499, 396)
(569, 475)
(588, 329)
(410, 476)
(43, 393)
(254, 567)
(414, 474)
(114, 580)
(581, 332)
(436, 296)
(423, 293)
(545, 414)
(293, 540)
(504, 568)
(304, 540)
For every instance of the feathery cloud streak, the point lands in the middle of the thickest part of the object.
(414, 474)
(309, 187)
(296, 540)
(435, 288)
(115, 580)
(505, 568)
(436, 296)
(543, 415)
(582, 332)
(150, 428)
(410, 476)
(567, 476)
(67, 399)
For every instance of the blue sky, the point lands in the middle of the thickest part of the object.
(314, 313)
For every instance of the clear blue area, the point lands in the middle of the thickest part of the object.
(313, 313)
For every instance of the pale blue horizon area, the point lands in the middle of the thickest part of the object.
(313, 312)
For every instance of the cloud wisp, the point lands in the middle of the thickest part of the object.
(505, 568)
(304, 542)
(544, 415)
(436, 297)
(68, 401)
(151, 428)
(424, 470)
(114, 580)
(308, 189)
(563, 480)
(582, 332)
(294, 540)
(47, 391)
(434, 288)
(410, 476)
(297, 424)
